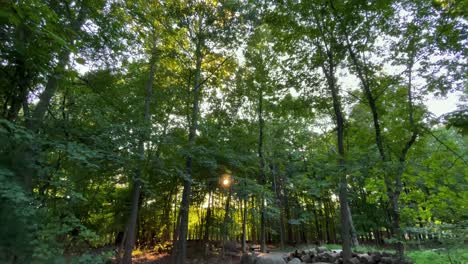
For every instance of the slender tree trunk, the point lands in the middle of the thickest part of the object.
(253, 222)
(244, 227)
(345, 213)
(288, 217)
(176, 221)
(181, 246)
(394, 186)
(137, 185)
(278, 201)
(262, 179)
(226, 221)
(395, 195)
(208, 220)
(317, 227)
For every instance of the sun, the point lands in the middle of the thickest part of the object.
(226, 182)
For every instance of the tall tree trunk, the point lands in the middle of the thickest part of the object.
(345, 213)
(181, 245)
(317, 225)
(244, 226)
(394, 186)
(226, 221)
(206, 235)
(278, 202)
(253, 222)
(137, 184)
(328, 49)
(395, 194)
(261, 178)
(288, 217)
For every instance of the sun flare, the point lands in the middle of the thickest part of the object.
(226, 182)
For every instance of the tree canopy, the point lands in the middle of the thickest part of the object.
(156, 124)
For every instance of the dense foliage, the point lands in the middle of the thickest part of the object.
(145, 124)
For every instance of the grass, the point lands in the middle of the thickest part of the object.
(426, 256)
(451, 256)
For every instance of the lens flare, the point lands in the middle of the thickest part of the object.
(226, 182)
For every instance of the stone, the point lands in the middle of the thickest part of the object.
(386, 254)
(354, 260)
(319, 258)
(247, 259)
(387, 260)
(295, 261)
(269, 259)
(313, 251)
(338, 261)
(329, 256)
(307, 258)
(232, 246)
(322, 249)
(376, 257)
(366, 259)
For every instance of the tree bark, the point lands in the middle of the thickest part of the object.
(226, 220)
(206, 235)
(137, 184)
(327, 47)
(244, 226)
(261, 178)
(395, 194)
(37, 116)
(278, 202)
(345, 212)
(36, 119)
(181, 244)
(394, 186)
(253, 222)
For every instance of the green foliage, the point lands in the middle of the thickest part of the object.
(66, 176)
(442, 256)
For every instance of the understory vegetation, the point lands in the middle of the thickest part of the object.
(159, 125)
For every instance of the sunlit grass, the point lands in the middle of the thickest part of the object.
(137, 252)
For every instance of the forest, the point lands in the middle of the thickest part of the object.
(233, 131)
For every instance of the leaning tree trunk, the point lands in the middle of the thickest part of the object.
(137, 184)
(394, 186)
(35, 121)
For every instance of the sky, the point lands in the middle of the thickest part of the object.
(440, 106)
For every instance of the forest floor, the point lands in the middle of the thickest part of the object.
(155, 258)
(196, 255)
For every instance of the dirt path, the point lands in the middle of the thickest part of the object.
(155, 258)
